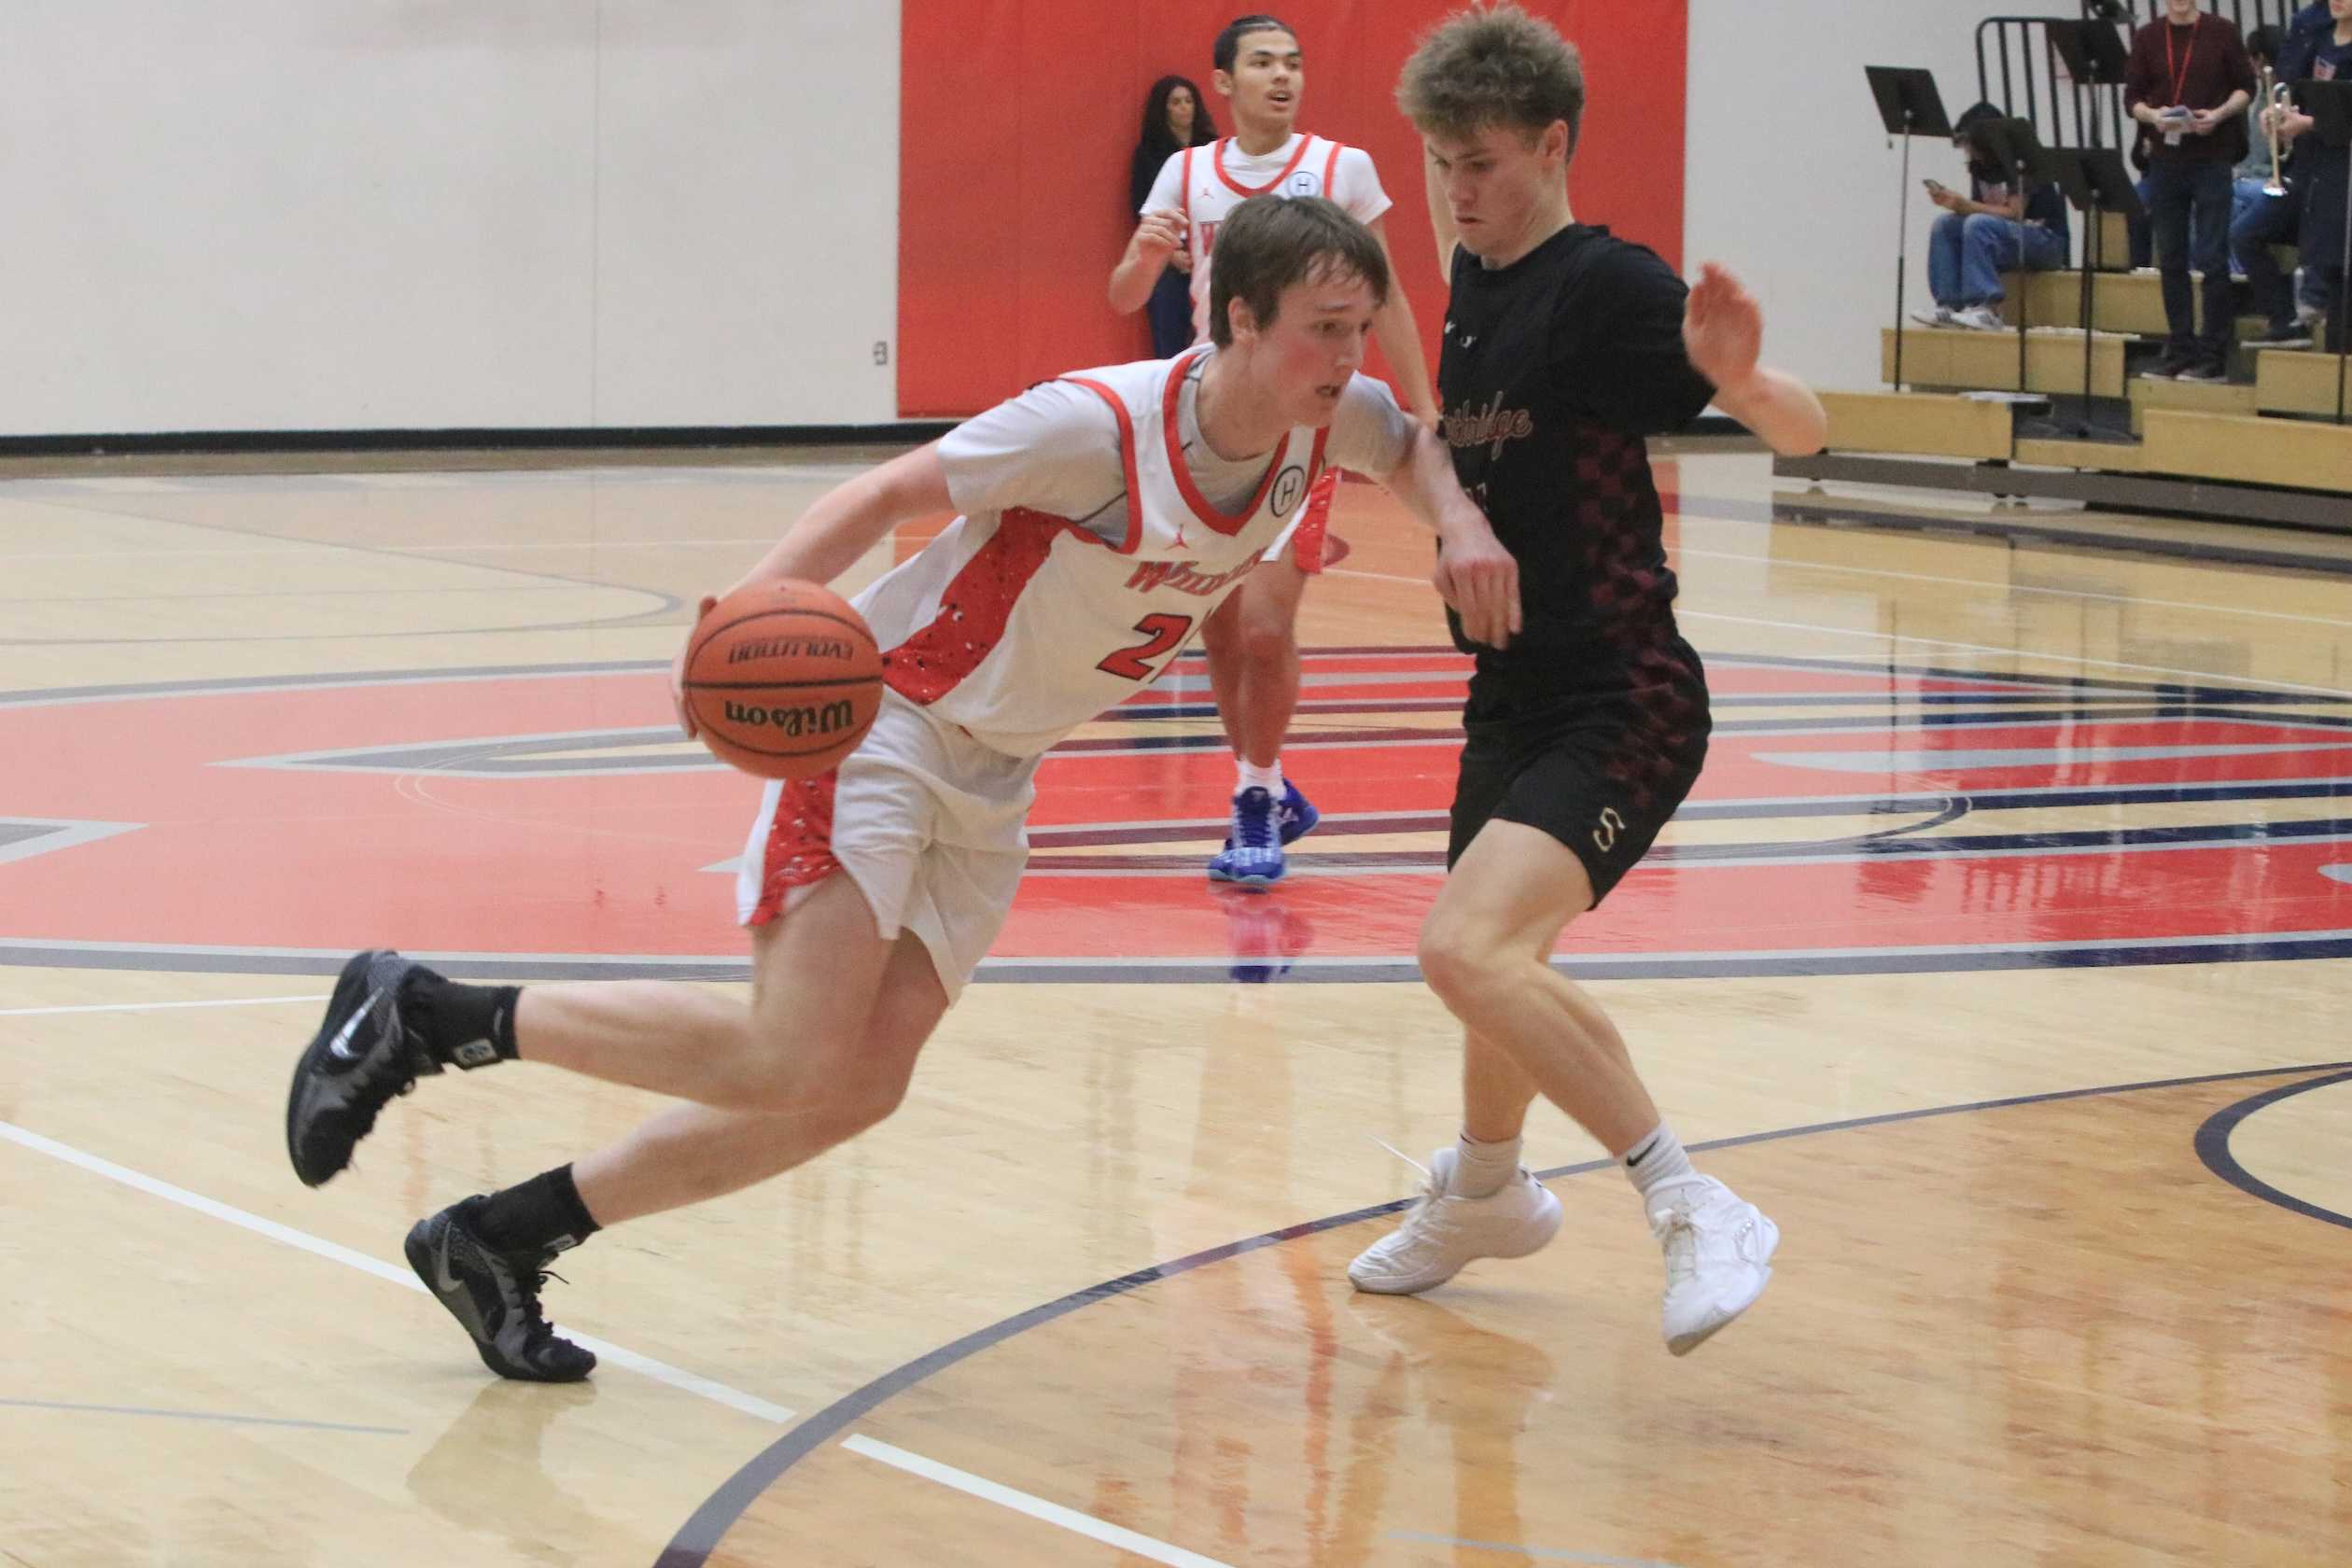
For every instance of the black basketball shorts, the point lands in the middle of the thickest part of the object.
(1600, 771)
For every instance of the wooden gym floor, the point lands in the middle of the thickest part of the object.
(2004, 953)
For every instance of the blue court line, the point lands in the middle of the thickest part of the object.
(2213, 1147)
(700, 1535)
(201, 1416)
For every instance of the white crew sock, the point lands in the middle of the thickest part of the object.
(1483, 1170)
(1655, 1159)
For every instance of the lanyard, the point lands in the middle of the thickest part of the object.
(2180, 73)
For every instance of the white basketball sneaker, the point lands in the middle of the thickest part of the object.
(1718, 1257)
(1445, 1230)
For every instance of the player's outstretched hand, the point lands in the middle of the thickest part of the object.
(1723, 327)
(1478, 577)
(1156, 236)
(677, 667)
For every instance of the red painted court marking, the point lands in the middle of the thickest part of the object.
(615, 862)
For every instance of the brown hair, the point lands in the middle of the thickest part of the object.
(1492, 65)
(1271, 242)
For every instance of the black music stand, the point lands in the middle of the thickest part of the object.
(2021, 157)
(2095, 55)
(2329, 106)
(1909, 106)
(2094, 181)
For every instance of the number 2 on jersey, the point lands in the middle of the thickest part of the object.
(1161, 633)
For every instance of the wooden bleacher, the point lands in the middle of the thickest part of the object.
(2263, 447)
(1952, 358)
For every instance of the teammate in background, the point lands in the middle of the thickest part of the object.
(1564, 347)
(1103, 517)
(1253, 642)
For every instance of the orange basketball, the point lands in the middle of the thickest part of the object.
(783, 680)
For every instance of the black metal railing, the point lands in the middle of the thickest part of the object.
(2248, 14)
(2019, 67)
(2024, 75)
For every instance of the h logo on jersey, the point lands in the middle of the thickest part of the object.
(1288, 486)
(1304, 183)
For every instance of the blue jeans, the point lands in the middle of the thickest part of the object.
(2188, 199)
(2321, 172)
(2259, 224)
(1966, 255)
(1169, 310)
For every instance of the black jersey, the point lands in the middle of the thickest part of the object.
(1555, 369)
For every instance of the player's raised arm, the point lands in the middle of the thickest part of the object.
(1723, 332)
(1160, 235)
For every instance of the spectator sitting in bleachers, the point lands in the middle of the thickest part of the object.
(1993, 228)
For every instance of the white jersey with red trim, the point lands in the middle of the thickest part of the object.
(1021, 624)
(1205, 183)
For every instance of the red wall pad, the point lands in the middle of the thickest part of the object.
(1016, 118)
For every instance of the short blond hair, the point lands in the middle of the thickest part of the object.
(1492, 65)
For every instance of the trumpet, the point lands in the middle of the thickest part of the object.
(2277, 99)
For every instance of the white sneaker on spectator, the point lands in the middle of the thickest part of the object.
(1445, 1230)
(1940, 316)
(1718, 1257)
(1980, 318)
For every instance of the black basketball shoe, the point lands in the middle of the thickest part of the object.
(495, 1295)
(363, 1054)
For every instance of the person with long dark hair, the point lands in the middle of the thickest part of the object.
(1175, 117)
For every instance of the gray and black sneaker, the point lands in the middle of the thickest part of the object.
(494, 1296)
(363, 1054)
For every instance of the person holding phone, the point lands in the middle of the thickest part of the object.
(1999, 225)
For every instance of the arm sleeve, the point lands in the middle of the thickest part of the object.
(1055, 448)
(1369, 433)
(2139, 73)
(2240, 64)
(1355, 185)
(1168, 189)
(1617, 347)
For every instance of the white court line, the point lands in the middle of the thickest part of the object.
(660, 1371)
(1036, 1507)
(149, 1006)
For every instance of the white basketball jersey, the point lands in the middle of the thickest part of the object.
(1209, 194)
(1020, 626)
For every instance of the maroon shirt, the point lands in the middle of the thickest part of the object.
(2208, 59)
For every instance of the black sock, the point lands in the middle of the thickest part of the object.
(463, 1026)
(542, 1214)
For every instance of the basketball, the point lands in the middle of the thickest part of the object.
(783, 680)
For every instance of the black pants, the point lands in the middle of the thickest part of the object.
(2176, 189)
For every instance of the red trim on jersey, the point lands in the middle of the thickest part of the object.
(1126, 461)
(1183, 195)
(1331, 168)
(1296, 158)
(1314, 524)
(978, 603)
(798, 843)
(1184, 486)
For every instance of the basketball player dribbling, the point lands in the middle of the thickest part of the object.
(1564, 347)
(1103, 517)
(1253, 642)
